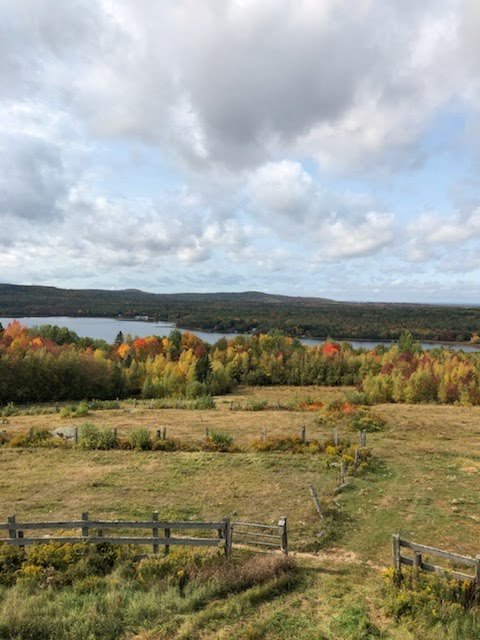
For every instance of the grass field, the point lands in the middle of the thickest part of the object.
(422, 483)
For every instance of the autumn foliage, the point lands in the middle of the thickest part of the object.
(35, 367)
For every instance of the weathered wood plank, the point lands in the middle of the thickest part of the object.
(396, 551)
(282, 523)
(110, 524)
(252, 524)
(453, 557)
(155, 531)
(315, 499)
(433, 568)
(199, 542)
(258, 534)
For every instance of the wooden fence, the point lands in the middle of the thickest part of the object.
(268, 536)
(417, 561)
(92, 531)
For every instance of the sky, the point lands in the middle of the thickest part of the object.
(301, 147)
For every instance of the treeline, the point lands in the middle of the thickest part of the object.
(252, 312)
(36, 368)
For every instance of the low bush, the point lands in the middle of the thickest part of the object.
(219, 441)
(10, 410)
(256, 405)
(357, 398)
(365, 420)
(432, 605)
(81, 410)
(102, 405)
(167, 444)
(292, 444)
(91, 437)
(35, 437)
(203, 403)
(140, 440)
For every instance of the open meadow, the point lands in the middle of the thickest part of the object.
(421, 482)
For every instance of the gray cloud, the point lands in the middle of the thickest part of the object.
(234, 83)
(32, 177)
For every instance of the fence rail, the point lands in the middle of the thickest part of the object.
(269, 536)
(92, 531)
(418, 563)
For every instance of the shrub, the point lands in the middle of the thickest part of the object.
(272, 443)
(219, 441)
(140, 440)
(91, 437)
(204, 402)
(35, 437)
(79, 411)
(169, 444)
(436, 606)
(100, 405)
(11, 559)
(10, 410)
(195, 389)
(256, 405)
(357, 397)
(367, 421)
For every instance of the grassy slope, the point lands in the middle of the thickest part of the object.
(424, 485)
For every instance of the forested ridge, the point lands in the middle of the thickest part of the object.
(251, 311)
(52, 364)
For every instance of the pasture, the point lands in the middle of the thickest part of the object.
(422, 482)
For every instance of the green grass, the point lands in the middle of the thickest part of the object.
(423, 484)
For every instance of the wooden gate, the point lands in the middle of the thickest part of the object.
(268, 536)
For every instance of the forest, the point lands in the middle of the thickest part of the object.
(252, 312)
(52, 364)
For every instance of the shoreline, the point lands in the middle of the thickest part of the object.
(172, 326)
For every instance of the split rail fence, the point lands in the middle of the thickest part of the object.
(92, 531)
(417, 562)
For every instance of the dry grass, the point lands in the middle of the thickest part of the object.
(244, 426)
(424, 484)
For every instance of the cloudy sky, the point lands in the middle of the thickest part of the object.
(312, 147)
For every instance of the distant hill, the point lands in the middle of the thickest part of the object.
(249, 311)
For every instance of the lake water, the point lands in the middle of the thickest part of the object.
(108, 328)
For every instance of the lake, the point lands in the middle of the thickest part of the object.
(108, 328)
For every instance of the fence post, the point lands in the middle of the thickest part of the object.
(75, 435)
(164, 433)
(315, 499)
(282, 523)
(477, 578)
(335, 437)
(155, 531)
(20, 535)
(227, 535)
(12, 533)
(85, 530)
(304, 434)
(167, 546)
(396, 552)
(417, 565)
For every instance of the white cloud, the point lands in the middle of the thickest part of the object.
(233, 100)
